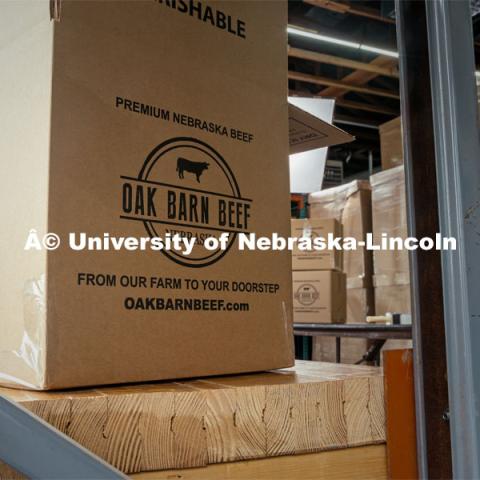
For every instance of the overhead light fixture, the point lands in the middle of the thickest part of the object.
(300, 32)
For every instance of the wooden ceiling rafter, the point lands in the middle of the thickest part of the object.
(340, 85)
(359, 77)
(388, 71)
(348, 8)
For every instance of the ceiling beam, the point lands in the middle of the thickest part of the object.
(359, 77)
(317, 80)
(388, 71)
(366, 107)
(341, 7)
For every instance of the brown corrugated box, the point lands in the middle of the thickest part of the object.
(107, 101)
(316, 259)
(319, 296)
(350, 204)
(391, 145)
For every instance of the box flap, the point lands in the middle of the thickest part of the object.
(307, 132)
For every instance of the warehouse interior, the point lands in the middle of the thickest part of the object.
(215, 356)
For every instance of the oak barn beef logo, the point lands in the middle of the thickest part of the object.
(186, 187)
(306, 294)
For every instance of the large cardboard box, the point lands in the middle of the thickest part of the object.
(316, 259)
(391, 143)
(350, 204)
(319, 296)
(142, 118)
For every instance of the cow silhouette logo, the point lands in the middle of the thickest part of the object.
(173, 193)
(185, 165)
(307, 294)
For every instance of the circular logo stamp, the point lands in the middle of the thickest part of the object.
(307, 294)
(186, 187)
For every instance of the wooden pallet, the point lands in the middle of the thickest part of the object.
(137, 428)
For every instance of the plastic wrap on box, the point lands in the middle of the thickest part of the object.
(389, 217)
(23, 364)
(350, 204)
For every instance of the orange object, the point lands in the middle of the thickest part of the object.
(400, 414)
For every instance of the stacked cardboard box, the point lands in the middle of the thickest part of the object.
(391, 143)
(350, 204)
(318, 281)
(391, 268)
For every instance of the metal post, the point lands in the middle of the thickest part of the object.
(430, 366)
(38, 451)
(457, 148)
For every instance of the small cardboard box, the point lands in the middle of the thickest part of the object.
(316, 259)
(319, 296)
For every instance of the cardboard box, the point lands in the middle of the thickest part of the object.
(391, 143)
(389, 216)
(350, 204)
(316, 259)
(319, 297)
(141, 118)
(393, 298)
(360, 304)
(351, 349)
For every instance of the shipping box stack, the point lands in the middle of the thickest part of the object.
(318, 281)
(391, 268)
(350, 204)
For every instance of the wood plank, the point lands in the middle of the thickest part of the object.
(340, 84)
(359, 77)
(309, 408)
(353, 463)
(367, 107)
(400, 414)
(388, 71)
(345, 8)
